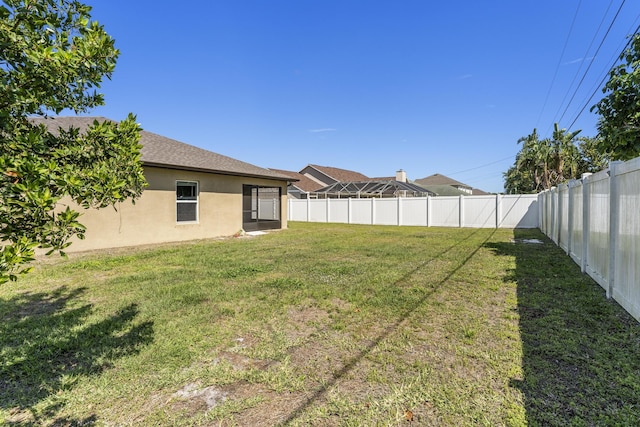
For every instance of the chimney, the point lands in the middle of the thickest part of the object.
(401, 176)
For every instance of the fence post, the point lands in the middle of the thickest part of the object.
(308, 209)
(547, 213)
(328, 209)
(570, 209)
(461, 211)
(373, 211)
(498, 210)
(614, 217)
(586, 218)
(555, 208)
(560, 215)
(349, 211)
(540, 211)
(428, 211)
(399, 211)
(551, 215)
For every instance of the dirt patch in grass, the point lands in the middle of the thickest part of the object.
(305, 321)
(197, 398)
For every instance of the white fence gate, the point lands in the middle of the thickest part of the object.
(596, 220)
(492, 211)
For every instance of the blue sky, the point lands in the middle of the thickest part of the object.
(370, 86)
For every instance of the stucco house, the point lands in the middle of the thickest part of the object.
(192, 194)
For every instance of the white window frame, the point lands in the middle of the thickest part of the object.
(195, 201)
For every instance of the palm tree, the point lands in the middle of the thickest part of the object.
(534, 158)
(544, 163)
(565, 155)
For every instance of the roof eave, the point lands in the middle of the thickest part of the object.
(219, 172)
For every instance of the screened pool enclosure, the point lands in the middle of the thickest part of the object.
(367, 189)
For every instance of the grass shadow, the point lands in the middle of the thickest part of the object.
(49, 340)
(393, 326)
(581, 352)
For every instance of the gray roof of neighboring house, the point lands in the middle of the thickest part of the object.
(444, 190)
(165, 152)
(478, 192)
(438, 179)
(303, 183)
(340, 175)
(441, 180)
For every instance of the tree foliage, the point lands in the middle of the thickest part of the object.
(543, 163)
(619, 123)
(54, 57)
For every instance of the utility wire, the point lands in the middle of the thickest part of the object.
(605, 76)
(555, 74)
(481, 166)
(586, 55)
(605, 72)
(591, 63)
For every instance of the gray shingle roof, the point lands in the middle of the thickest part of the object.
(161, 151)
(444, 190)
(340, 175)
(438, 179)
(304, 183)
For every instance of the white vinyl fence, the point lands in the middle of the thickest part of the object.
(492, 211)
(596, 220)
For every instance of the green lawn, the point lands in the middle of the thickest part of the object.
(319, 325)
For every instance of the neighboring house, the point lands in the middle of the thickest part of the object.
(397, 186)
(324, 181)
(302, 187)
(442, 185)
(192, 194)
(325, 175)
(478, 192)
(314, 177)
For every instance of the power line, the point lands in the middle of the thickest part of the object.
(482, 166)
(605, 72)
(586, 55)
(555, 74)
(591, 63)
(605, 76)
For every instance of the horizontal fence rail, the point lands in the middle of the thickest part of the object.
(596, 220)
(491, 211)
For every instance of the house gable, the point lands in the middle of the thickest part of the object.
(438, 179)
(300, 182)
(439, 182)
(326, 175)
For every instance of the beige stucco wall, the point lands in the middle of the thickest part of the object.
(153, 217)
